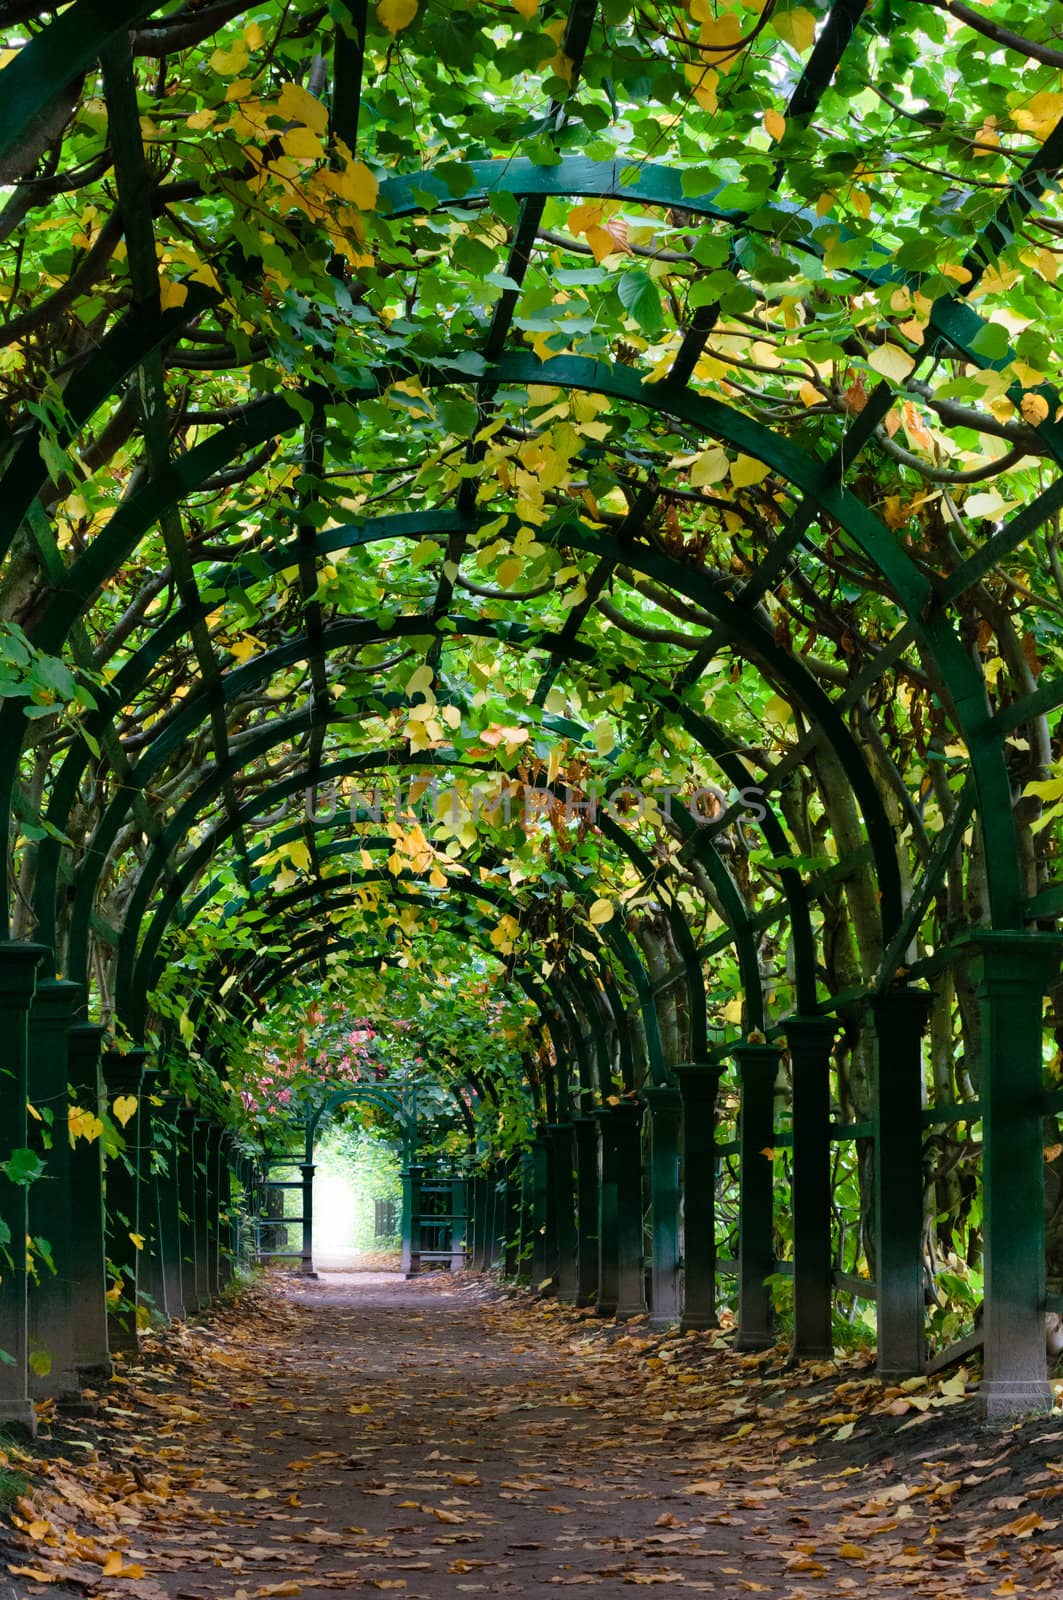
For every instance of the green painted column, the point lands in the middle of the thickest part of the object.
(411, 1219)
(122, 1075)
(698, 1084)
(585, 1130)
(186, 1191)
(526, 1241)
(496, 1191)
(460, 1207)
(1013, 972)
(665, 1106)
(18, 980)
(563, 1172)
(810, 1041)
(608, 1230)
(511, 1222)
(543, 1263)
(151, 1282)
(50, 1323)
(212, 1164)
(168, 1203)
(631, 1250)
(229, 1243)
(201, 1210)
(758, 1066)
(88, 1250)
(900, 1019)
(477, 1190)
(306, 1260)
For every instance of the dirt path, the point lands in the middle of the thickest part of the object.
(361, 1433)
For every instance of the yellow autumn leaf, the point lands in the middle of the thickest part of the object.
(296, 104)
(601, 911)
(354, 182)
(748, 470)
(809, 395)
(82, 1124)
(1040, 113)
(302, 144)
(1034, 408)
(775, 123)
(138, 1240)
(172, 294)
(703, 82)
(509, 571)
(797, 26)
(891, 362)
(34, 1113)
(732, 1011)
(124, 1108)
(230, 63)
(394, 15)
(527, 8)
(776, 709)
(711, 466)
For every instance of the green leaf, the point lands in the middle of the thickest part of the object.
(22, 1166)
(641, 299)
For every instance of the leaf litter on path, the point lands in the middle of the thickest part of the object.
(443, 1436)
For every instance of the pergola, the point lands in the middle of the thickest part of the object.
(403, 401)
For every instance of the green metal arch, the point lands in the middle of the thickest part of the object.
(554, 1013)
(612, 934)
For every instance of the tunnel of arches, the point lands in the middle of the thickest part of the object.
(531, 589)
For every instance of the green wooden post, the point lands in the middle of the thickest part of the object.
(201, 1211)
(665, 1105)
(900, 1019)
(88, 1249)
(228, 1241)
(631, 1274)
(810, 1040)
(18, 980)
(1014, 970)
(306, 1260)
(511, 1221)
(167, 1162)
(698, 1085)
(586, 1135)
(498, 1190)
(526, 1240)
(151, 1285)
(411, 1220)
(185, 1156)
(477, 1218)
(563, 1171)
(608, 1227)
(50, 1324)
(122, 1076)
(542, 1243)
(459, 1209)
(758, 1066)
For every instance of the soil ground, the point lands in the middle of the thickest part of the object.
(440, 1438)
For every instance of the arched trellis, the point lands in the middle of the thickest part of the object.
(913, 591)
(548, 996)
(927, 604)
(180, 726)
(492, 895)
